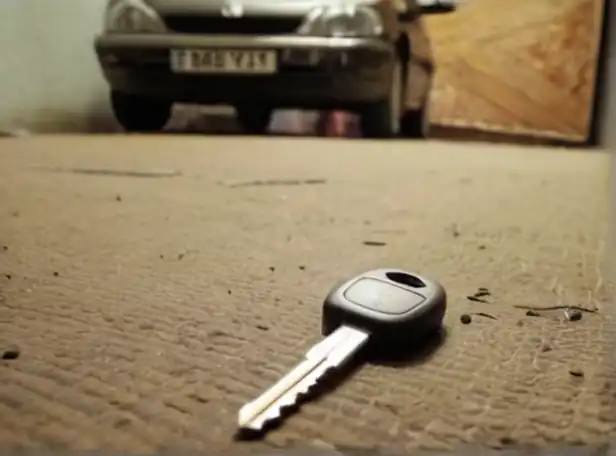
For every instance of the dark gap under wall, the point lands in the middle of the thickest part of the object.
(605, 85)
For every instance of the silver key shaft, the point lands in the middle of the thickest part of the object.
(328, 354)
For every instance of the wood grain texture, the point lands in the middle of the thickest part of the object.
(517, 66)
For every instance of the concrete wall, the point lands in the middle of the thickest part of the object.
(49, 76)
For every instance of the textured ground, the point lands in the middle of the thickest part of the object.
(148, 309)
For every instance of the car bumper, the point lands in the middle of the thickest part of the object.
(313, 72)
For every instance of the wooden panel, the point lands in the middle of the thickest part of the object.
(517, 66)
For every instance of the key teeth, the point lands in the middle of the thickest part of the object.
(289, 401)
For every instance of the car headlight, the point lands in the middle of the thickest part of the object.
(342, 21)
(132, 16)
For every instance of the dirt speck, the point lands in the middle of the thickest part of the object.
(576, 372)
(507, 441)
(181, 255)
(272, 268)
(121, 422)
(218, 333)
(229, 291)
(118, 197)
(11, 352)
(481, 247)
(56, 274)
(532, 313)
(546, 348)
(465, 319)
(8, 276)
(263, 327)
(5, 247)
(375, 243)
(302, 268)
(455, 230)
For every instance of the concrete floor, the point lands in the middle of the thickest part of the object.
(151, 295)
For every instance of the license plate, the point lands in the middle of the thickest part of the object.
(223, 61)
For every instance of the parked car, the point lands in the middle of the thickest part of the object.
(371, 57)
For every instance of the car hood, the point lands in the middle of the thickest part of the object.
(276, 7)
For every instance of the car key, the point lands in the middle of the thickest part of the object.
(385, 308)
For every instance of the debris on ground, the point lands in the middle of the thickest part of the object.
(272, 268)
(8, 276)
(545, 347)
(263, 327)
(482, 292)
(560, 307)
(455, 231)
(576, 372)
(573, 315)
(465, 319)
(56, 274)
(532, 313)
(486, 315)
(11, 352)
(479, 295)
(481, 247)
(181, 255)
(268, 182)
(375, 243)
(302, 268)
(118, 197)
(5, 247)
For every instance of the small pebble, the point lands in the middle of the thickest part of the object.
(181, 255)
(8, 276)
(118, 198)
(576, 372)
(272, 268)
(262, 327)
(465, 319)
(532, 313)
(546, 348)
(228, 291)
(5, 247)
(573, 315)
(56, 273)
(302, 268)
(11, 352)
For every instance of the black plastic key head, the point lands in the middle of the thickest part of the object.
(395, 306)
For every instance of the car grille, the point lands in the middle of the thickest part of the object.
(212, 25)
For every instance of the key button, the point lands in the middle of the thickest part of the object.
(383, 297)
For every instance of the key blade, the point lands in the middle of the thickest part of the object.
(328, 354)
(249, 416)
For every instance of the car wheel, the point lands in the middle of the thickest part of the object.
(382, 119)
(415, 123)
(140, 114)
(254, 120)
